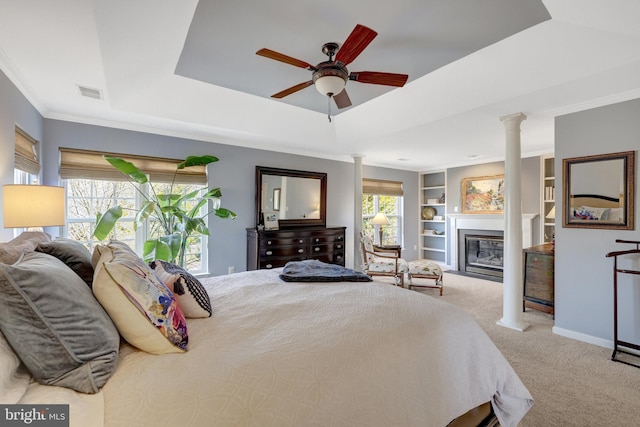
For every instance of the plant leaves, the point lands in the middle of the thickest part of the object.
(148, 207)
(225, 213)
(196, 161)
(106, 222)
(127, 168)
(156, 249)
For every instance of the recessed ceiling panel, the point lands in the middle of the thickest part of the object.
(414, 37)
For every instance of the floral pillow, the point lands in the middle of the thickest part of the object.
(143, 309)
(191, 295)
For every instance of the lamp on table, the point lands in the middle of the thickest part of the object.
(380, 219)
(33, 206)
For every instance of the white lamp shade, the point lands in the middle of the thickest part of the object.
(330, 85)
(552, 213)
(380, 219)
(33, 206)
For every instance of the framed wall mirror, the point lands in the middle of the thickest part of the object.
(293, 198)
(598, 191)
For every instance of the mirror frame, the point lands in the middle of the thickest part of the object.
(289, 223)
(628, 158)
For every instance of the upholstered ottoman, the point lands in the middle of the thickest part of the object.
(425, 269)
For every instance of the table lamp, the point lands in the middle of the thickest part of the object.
(33, 206)
(380, 219)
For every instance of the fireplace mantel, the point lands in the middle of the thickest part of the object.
(485, 222)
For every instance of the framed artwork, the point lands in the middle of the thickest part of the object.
(270, 221)
(483, 195)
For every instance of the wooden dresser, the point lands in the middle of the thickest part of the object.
(539, 278)
(274, 248)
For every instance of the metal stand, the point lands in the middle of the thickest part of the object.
(616, 342)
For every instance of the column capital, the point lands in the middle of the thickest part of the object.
(513, 118)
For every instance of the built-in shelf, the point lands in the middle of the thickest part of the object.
(433, 188)
(547, 198)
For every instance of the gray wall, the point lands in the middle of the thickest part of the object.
(234, 174)
(530, 183)
(14, 110)
(584, 276)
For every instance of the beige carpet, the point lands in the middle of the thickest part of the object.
(573, 383)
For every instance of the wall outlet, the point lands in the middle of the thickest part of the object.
(231, 269)
(455, 209)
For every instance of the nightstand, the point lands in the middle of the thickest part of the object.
(538, 266)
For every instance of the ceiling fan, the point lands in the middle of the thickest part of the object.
(330, 77)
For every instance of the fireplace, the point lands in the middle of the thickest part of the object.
(481, 252)
(482, 225)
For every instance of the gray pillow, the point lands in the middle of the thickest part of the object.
(27, 241)
(73, 253)
(55, 325)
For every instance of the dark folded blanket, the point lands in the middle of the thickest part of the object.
(312, 270)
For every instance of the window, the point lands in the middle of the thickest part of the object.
(386, 197)
(89, 194)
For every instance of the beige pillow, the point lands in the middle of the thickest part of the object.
(11, 251)
(143, 309)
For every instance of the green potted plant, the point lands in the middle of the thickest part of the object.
(177, 222)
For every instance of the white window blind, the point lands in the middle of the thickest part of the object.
(83, 164)
(26, 153)
(381, 187)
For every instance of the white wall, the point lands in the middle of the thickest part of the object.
(583, 275)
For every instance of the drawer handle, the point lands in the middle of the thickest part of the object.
(268, 242)
(300, 251)
(301, 241)
(339, 246)
(317, 240)
(269, 266)
(269, 252)
(316, 249)
(339, 257)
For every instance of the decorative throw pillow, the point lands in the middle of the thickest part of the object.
(55, 325)
(191, 295)
(143, 309)
(73, 253)
(14, 378)
(27, 241)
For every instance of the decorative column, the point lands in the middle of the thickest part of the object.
(512, 316)
(357, 217)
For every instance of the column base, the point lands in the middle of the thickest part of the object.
(516, 325)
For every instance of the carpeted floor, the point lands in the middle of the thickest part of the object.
(573, 383)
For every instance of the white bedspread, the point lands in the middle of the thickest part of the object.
(317, 354)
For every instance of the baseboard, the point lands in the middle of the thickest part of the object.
(582, 337)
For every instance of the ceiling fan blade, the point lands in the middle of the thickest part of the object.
(272, 54)
(378, 78)
(292, 89)
(342, 99)
(353, 46)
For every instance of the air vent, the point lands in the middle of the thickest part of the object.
(90, 92)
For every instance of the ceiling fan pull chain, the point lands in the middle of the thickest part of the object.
(329, 108)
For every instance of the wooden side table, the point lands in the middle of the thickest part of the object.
(389, 248)
(539, 283)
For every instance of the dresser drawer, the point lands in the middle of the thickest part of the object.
(282, 251)
(283, 241)
(274, 248)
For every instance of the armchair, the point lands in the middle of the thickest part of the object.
(376, 263)
(382, 263)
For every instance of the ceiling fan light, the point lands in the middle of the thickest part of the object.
(330, 85)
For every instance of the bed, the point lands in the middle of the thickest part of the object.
(278, 353)
(595, 207)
